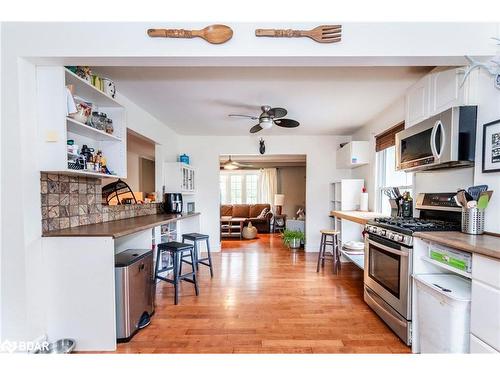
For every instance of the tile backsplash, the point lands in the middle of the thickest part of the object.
(70, 201)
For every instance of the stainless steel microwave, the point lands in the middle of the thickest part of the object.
(445, 140)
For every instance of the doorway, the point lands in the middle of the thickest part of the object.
(261, 196)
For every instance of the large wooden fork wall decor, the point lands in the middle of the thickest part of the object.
(320, 34)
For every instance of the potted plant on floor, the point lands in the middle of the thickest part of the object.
(293, 238)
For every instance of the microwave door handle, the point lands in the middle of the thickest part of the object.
(437, 125)
(388, 249)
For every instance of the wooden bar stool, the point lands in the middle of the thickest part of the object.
(178, 251)
(195, 238)
(329, 237)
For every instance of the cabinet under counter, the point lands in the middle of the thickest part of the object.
(79, 269)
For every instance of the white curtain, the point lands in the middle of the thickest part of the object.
(268, 185)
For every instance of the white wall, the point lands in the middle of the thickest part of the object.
(389, 117)
(145, 124)
(488, 110)
(204, 152)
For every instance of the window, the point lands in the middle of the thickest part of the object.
(389, 177)
(252, 183)
(237, 187)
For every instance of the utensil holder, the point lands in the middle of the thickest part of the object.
(472, 221)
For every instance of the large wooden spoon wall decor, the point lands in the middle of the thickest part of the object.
(215, 34)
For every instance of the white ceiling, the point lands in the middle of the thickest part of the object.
(325, 100)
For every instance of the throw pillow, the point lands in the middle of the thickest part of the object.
(263, 213)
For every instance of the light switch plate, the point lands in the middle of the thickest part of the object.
(51, 136)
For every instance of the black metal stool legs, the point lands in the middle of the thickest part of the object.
(195, 280)
(177, 267)
(195, 238)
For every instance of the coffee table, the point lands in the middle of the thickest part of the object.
(231, 225)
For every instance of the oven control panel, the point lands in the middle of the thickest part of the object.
(403, 239)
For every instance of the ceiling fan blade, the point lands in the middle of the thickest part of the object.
(277, 112)
(256, 128)
(286, 123)
(244, 116)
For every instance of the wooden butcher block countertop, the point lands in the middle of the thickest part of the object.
(360, 217)
(483, 244)
(119, 228)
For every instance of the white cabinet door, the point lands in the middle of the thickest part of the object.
(445, 90)
(485, 313)
(478, 346)
(417, 102)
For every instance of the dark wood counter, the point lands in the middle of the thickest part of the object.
(119, 228)
(483, 244)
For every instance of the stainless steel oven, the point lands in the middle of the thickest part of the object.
(388, 268)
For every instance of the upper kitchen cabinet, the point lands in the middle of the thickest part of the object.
(179, 178)
(353, 154)
(417, 102)
(438, 91)
(57, 131)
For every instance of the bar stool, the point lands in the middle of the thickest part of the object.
(195, 238)
(178, 251)
(329, 237)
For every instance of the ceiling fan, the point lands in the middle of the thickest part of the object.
(231, 165)
(268, 117)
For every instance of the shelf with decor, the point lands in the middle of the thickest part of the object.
(85, 130)
(56, 127)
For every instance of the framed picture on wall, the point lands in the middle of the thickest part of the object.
(491, 147)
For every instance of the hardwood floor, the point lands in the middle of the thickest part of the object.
(265, 299)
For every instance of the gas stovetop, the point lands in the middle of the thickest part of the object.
(438, 212)
(410, 225)
(401, 230)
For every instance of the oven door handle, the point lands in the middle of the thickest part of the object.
(388, 249)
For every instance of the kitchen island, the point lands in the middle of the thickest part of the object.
(79, 269)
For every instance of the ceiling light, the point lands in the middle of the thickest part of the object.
(266, 122)
(230, 167)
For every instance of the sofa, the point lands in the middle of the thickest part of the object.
(250, 212)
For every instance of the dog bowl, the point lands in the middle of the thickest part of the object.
(62, 346)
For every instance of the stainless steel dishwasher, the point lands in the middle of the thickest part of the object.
(134, 291)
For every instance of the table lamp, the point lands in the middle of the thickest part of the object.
(279, 200)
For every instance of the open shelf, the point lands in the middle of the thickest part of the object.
(447, 267)
(88, 92)
(357, 259)
(79, 128)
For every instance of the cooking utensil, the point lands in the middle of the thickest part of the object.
(475, 191)
(397, 193)
(461, 198)
(215, 34)
(483, 201)
(320, 34)
(388, 193)
(471, 204)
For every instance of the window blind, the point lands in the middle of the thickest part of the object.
(388, 138)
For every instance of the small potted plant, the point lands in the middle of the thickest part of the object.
(293, 238)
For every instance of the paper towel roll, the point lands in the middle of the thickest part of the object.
(363, 202)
